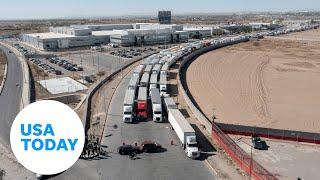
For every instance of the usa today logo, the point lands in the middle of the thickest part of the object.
(47, 137)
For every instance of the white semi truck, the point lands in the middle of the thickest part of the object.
(163, 85)
(156, 105)
(128, 106)
(185, 133)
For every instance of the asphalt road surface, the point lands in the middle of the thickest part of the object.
(10, 97)
(171, 164)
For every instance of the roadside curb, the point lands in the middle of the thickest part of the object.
(25, 96)
(4, 77)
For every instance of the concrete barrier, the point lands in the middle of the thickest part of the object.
(4, 77)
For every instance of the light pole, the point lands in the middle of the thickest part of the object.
(251, 156)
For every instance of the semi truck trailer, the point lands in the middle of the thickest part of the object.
(165, 69)
(156, 105)
(128, 106)
(163, 85)
(142, 105)
(133, 83)
(148, 69)
(156, 69)
(153, 82)
(185, 133)
(144, 82)
(169, 103)
(138, 71)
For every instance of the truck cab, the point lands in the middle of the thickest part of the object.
(156, 105)
(163, 85)
(127, 113)
(191, 148)
(157, 113)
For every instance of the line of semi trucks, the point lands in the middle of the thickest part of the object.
(147, 93)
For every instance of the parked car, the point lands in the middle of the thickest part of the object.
(57, 72)
(150, 147)
(260, 144)
(128, 149)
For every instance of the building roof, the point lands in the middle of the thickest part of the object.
(107, 33)
(49, 35)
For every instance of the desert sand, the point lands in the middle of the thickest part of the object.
(272, 83)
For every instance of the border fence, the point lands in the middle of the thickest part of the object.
(282, 134)
(240, 157)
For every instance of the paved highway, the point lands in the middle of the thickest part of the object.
(172, 164)
(10, 97)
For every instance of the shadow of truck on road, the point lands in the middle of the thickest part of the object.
(204, 145)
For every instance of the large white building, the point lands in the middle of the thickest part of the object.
(122, 34)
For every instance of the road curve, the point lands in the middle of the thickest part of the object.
(10, 97)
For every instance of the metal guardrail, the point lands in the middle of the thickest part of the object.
(242, 159)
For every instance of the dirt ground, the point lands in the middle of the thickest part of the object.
(287, 160)
(3, 62)
(308, 36)
(271, 83)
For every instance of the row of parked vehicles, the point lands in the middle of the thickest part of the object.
(133, 52)
(22, 49)
(147, 97)
(66, 64)
(146, 147)
(45, 67)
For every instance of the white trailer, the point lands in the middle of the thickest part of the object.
(148, 68)
(156, 69)
(156, 105)
(138, 71)
(165, 69)
(172, 60)
(153, 81)
(185, 133)
(169, 103)
(144, 82)
(133, 83)
(154, 59)
(163, 85)
(128, 106)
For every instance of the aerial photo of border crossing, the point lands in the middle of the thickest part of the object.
(216, 95)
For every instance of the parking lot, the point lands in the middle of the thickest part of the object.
(94, 62)
(133, 52)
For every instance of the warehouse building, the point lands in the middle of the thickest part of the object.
(122, 34)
